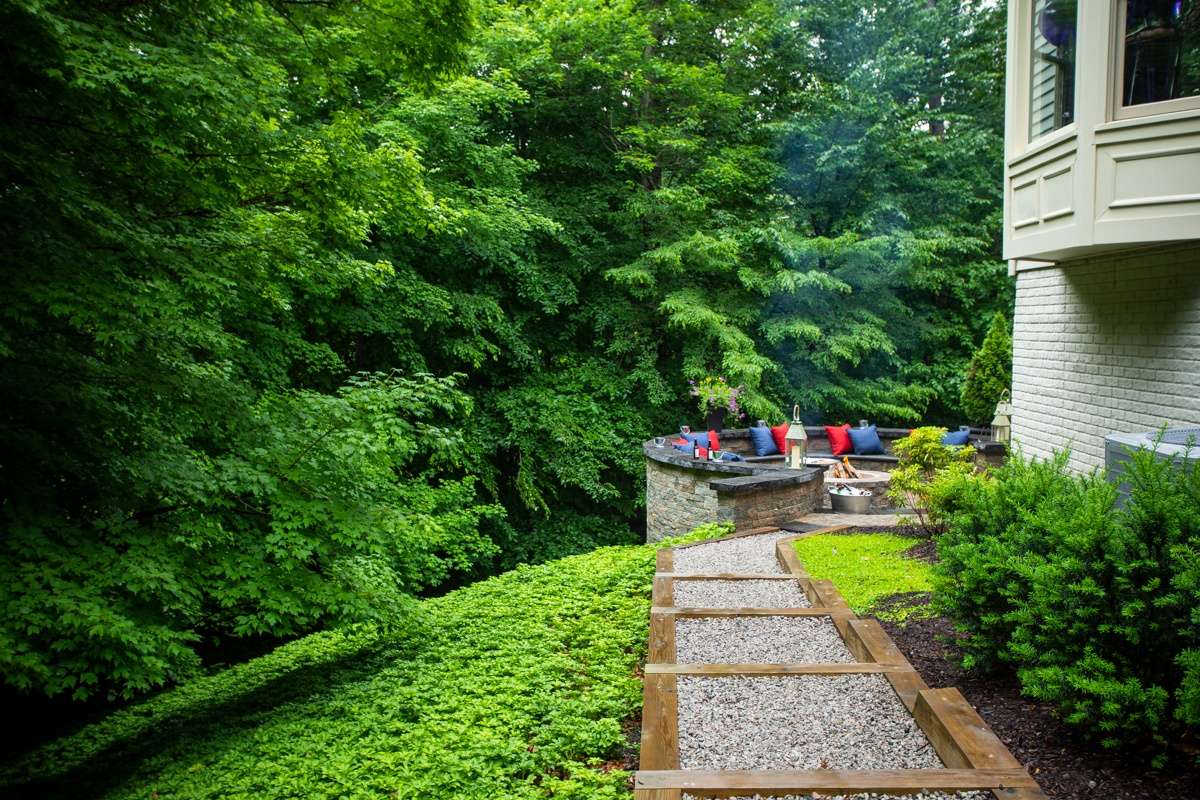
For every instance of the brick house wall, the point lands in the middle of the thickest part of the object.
(1106, 344)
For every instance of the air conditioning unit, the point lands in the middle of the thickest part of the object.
(1182, 444)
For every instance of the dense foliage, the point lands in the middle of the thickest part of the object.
(1097, 605)
(239, 237)
(989, 375)
(869, 569)
(925, 467)
(514, 687)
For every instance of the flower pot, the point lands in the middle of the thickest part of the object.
(716, 420)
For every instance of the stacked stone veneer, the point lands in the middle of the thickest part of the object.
(1106, 344)
(682, 493)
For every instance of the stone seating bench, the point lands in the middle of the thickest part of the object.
(737, 440)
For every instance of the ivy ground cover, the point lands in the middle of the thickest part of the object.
(868, 568)
(514, 687)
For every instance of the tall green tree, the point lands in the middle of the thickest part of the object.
(181, 457)
(242, 239)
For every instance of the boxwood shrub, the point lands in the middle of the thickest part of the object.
(521, 686)
(1095, 604)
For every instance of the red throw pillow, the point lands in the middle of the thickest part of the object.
(713, 442)
(839, 439)
(779, 434)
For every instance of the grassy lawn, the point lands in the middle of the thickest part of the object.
(867, 568)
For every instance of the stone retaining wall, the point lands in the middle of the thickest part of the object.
(682, 493)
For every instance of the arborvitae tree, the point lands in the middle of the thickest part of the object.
(990, 373)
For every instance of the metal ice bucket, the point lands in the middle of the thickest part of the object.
(850, 503)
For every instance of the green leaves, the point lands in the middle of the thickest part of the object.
(518, 686)
(1094, 605)
(990, 374)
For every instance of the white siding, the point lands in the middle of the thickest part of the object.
(1107, 344)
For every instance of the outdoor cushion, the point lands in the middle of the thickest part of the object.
(866, 441)
(713, 442)
(779, 434)
(702, 439)
(764, 442)
(839, 439)
(956, 437)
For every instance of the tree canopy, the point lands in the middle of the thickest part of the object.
(310, 307)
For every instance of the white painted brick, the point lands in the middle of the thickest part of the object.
(1106, 344)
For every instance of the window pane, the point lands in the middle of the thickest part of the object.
(1052, 89)
(1162, 50)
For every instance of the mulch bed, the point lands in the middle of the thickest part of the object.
(1066, 767)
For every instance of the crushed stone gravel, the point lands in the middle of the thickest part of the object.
(781, 722)
(739, 594)
(918, 796)
(749, 554)
(758, 640)
(797, 722)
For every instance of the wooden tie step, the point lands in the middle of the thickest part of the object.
(974, 758)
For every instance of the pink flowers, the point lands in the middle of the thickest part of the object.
(716, 393)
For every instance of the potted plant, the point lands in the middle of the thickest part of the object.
(716, 399)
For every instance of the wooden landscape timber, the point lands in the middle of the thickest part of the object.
(732, 783)
(973, 756)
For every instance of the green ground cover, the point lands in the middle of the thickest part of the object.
(514, 687)
(867, 568)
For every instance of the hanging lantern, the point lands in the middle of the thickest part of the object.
(796, 440)
(1002, 422)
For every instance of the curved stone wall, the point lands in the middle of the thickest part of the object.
(683, 492)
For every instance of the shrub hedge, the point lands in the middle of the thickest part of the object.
(1096, 605)
(513, 687)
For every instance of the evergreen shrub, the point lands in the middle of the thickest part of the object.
(1096, 605)
(990, 372)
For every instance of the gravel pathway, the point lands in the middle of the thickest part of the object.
(739, 594)
(781, 722)
(918, 796)
(758, 640)
(797, 722)
(749, 554)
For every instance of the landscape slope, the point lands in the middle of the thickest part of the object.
(520, 686)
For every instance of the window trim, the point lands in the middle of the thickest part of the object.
(1116, 98)
(1025, 11)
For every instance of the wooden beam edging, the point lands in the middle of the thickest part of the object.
(678, 611)
(664, 560)
(662, 639)
(963, 740)
(852, 668)
(729, 783)
(660, 723)
(659, 747)
(868, 641)
(663, 593)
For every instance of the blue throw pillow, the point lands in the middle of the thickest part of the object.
(727, 456)
(699, 438)
(956, 438)
(866, 441)
(764, 442)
